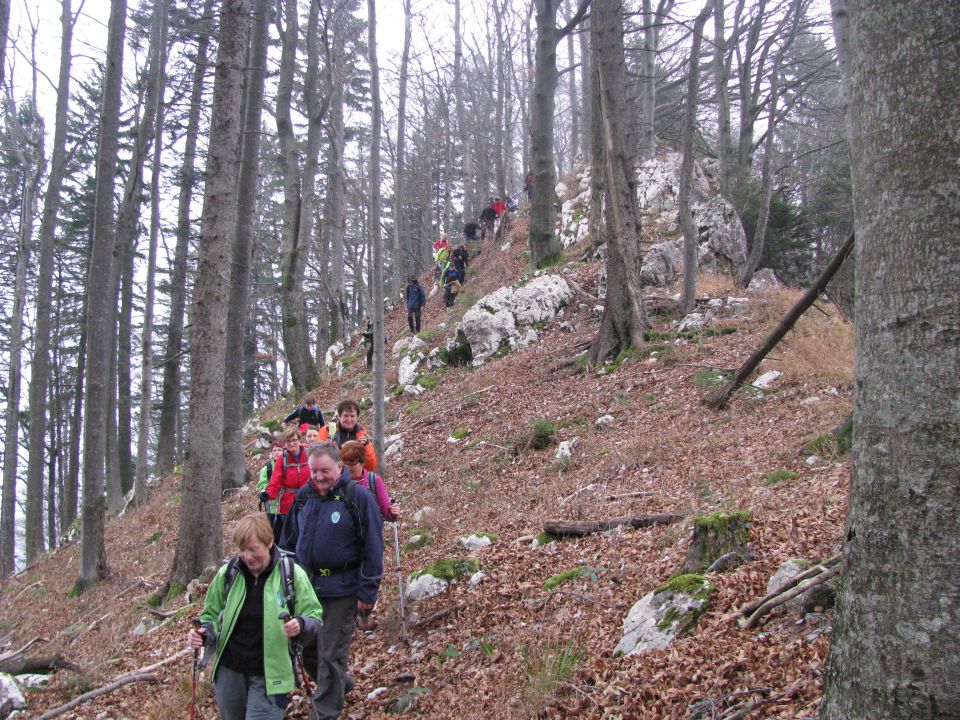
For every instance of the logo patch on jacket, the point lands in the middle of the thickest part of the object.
(335, 517)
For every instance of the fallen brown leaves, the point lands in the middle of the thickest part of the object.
(508, 648)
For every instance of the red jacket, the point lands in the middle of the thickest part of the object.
(499, 208)
(285, 484)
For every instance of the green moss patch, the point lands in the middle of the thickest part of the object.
(692, 584)
(778, 476)
(709, 379)
(581, 571)
(423, 540)
(450, 569)
(655, 336)
(427, 382)
(428, 335)
(456, 355)
(460, 434)
(545, 538)
(835, 443)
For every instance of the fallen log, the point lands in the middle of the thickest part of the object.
(747, 623)
(40, 664)
(588, 527)
(116, 684)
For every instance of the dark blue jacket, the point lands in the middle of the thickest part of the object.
(341, 559)
(416, 297)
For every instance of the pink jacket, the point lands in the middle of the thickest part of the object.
(383, 499)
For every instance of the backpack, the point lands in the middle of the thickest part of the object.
(297, 465)
(287, 563)
(350, 490)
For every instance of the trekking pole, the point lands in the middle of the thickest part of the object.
(196, 660)
(308, 686)
(403, 614)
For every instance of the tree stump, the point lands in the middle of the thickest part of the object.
(716, 535)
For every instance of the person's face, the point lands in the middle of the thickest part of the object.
(348, 419)
(312, 436)
(293, 446)
(256, 556)
(324, 472)
(355, 468)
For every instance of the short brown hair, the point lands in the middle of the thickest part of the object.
(348, 405)
(291, 433)
(254, 526)
(310, 427)
(352, 452)
(309, 399)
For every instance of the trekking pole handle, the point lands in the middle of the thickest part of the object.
(283, 616)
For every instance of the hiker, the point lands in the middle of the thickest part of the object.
(311, 435)
(488, 217)
(512, 204)
(270, 506)
(528, 186)
(451, 284)
(368, 339)
(416, 300)
(335, 529)
(290, 473)
(352, 456)
(308, 413)
(471, 230)
(461, 258)
(498, 207)
(252, 672)
(347, 428)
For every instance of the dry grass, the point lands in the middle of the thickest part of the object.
(716, 285)
(820, 346)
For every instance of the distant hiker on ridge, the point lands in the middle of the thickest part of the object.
(416, 300)
(308, 413)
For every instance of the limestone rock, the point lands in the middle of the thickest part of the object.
(504, 317)
(333, 352)
(604, 421)
(659, 617)
(425, 586)
(407, 371)
(10, 696)
(767, 379)
(409, 344)
(784, 574)
(147, 624)
(472, 543)
(693, 321)
(723, 243)
(32, 680)
(424, 514)
(564, 450)
(763, 280)
(662, 263)
(475, 579)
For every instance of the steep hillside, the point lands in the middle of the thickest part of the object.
(508, 648)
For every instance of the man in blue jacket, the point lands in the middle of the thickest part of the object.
(416, 299)
(336, 530)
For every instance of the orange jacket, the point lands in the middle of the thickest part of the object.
(370, 454)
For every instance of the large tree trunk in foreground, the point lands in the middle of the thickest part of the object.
(170, 395)
(895, 652)
(100, 317)
(234, 471)
(200, 540)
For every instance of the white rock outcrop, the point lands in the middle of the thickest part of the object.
(767, 379)
(657, 618)
(472, 543)
(505, 316)
(425, 586)
(410, 344)
(763, 280)
(10, 696)
(407, 371)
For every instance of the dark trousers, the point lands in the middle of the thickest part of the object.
(448, 295)
(333, 648)
(413, 320)
(370, 355)
(276, 522)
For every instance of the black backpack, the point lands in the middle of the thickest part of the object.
(287, 562)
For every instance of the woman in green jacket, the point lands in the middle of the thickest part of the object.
(252, 669)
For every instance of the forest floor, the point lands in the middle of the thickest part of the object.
(508, 648)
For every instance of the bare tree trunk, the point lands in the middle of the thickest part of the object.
(100, 318)
(895, 651)
(607, 28)
(376, 234)
(690, 235)
(200, 538)
(333, 228)
(586, 89)
(234, 471)
(399, 221)
(572, 96)
(721, 81)
(294, 245)
(170, 396)
(469, 202)
(158, 46)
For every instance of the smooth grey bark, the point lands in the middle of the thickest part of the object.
(4, 32)
(690, 235)
(333, 228)
(376, 233)
(40, 362)
(158, 76)
(572, 96)
(234, 470)
(469, 202)
(721, 85)
(586, 90)
(199, 542)
(648, 92)
(607, 28)
(895, 649)
(294, 245)
(400, 170)
(167, 430)
(543, 240)
(100, 316)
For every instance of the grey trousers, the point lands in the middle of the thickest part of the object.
(245, 698)
(333, 647)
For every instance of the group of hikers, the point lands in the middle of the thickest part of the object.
(283, 611)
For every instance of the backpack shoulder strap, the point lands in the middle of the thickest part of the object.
(350, 491)
(233, 567)
(287, 569)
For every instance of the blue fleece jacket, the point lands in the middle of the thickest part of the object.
(416, 297)
(341, 559)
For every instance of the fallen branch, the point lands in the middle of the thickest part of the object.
(115, 685)
(576, 286)
(638, 493)
(575, 493)
(88, 628)
(38, 664)
(751, 621)
(166, 661)
(10, 655)
(31, 585)
(718, 400)
(587, 527)
(806, 574)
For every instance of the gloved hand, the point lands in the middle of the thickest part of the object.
(264, 498)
